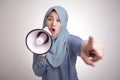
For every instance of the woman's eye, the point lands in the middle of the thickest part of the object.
(58, 20)
(49, 19)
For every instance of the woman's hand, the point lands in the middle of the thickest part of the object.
(43, 56)
(91, 52)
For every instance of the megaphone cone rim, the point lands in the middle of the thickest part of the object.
(33, 31)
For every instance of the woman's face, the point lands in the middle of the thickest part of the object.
(53, 23)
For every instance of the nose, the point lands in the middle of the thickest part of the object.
(54, 23)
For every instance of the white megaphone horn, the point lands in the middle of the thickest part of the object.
(39, 41)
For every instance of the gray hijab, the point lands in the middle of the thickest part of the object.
(57, 52)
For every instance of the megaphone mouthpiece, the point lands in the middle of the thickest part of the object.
(46, 29)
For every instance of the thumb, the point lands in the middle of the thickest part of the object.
(87, 60)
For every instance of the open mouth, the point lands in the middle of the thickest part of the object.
(53, 30)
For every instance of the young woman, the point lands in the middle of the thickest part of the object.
(59, 62)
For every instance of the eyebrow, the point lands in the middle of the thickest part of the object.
(49, 16)
(52, 16)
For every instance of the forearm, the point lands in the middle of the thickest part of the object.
(83, 47)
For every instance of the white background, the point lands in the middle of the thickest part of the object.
(99, 18)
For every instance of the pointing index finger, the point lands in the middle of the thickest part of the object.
(90, 43)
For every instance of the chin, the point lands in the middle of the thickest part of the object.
(53, 35)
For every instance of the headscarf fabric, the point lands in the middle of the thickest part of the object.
(57, 52)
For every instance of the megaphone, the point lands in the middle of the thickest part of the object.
(39, 41)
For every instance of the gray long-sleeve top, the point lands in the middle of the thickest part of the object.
(66, 71)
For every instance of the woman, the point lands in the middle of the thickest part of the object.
(59, 62)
